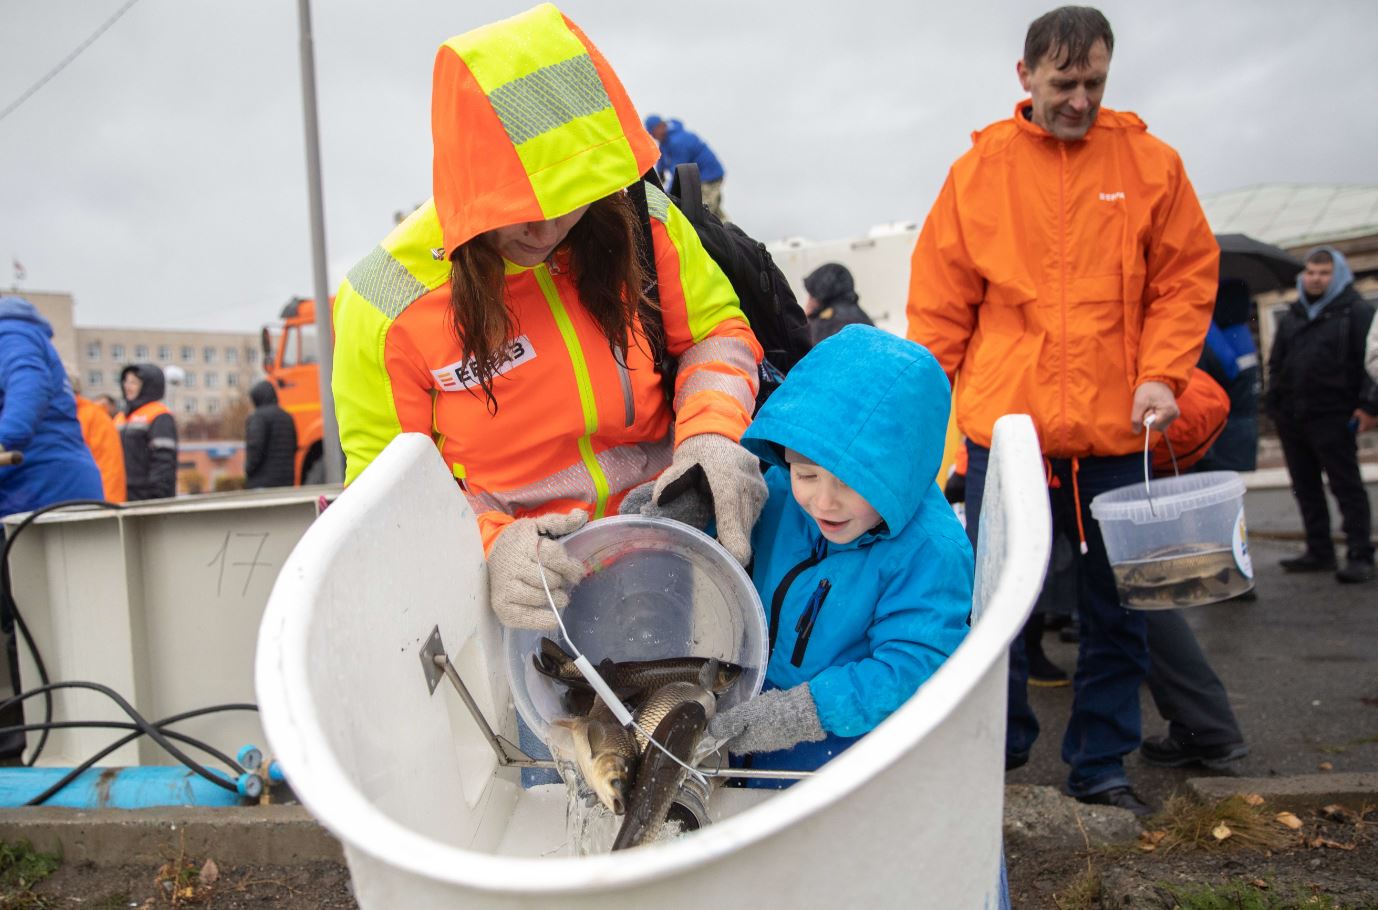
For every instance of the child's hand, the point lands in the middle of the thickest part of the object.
(773, 720)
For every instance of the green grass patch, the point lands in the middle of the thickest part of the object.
(22, 867)
(1240, 896)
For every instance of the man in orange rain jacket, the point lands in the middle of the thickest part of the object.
(501, 317)
(1066, 271)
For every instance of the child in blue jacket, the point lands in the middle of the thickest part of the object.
(864, 570)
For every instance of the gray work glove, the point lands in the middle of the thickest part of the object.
(709, 477)
(771, 721)
(514, 579)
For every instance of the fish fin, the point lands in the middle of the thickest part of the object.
(708, 673)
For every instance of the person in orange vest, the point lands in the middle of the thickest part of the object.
(501, 318)
(103, 439)
(1068, 272)
(148, 433)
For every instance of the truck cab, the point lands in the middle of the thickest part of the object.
(291, 361)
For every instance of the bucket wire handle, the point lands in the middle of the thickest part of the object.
(600, 685)
(1148, 493)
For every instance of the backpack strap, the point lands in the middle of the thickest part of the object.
(689, 189)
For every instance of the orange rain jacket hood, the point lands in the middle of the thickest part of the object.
(530, 123)
(1056, 277)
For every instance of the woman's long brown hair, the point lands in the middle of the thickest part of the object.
(608, 273)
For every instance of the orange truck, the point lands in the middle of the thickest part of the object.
(290, 358)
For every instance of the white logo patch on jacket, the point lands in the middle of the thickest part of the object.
(461, 375)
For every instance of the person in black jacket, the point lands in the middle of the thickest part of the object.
(1320, 396)
(270, 441)
(832, 301)
(148, 433)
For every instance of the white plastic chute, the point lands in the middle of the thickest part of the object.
(406, 779)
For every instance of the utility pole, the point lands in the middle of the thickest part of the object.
(331, 455)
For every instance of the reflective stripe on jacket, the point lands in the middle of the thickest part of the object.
(530, 124)
(1056, 277)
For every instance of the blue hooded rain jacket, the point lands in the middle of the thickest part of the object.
(872, 409)
(680, 146)
(38, 417)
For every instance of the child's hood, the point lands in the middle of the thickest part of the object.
(872, 409)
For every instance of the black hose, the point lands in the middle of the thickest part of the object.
(8, 605)
(90, 763)
(144, 727)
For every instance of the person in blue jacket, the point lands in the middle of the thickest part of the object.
(679, 146)
(38, 417)
(865, 571)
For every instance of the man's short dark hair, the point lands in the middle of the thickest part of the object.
(1068, 33)
(1320, 257)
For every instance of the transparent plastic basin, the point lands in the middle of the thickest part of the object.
(656, 588)
(1180, 543)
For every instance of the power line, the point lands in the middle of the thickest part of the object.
(14, 105)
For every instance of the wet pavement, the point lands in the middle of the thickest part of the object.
(1300, 664)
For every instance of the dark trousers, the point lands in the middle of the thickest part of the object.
(1112, 658)
(1186, 691)
(1327, 444)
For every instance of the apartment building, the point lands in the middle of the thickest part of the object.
(206, 371)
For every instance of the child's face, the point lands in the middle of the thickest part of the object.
(841, 513)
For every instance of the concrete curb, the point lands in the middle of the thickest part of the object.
(264, 835)
(1302, 791)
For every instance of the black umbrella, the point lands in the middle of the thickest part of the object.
(1261, 266)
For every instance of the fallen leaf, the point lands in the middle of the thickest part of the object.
(1326, 766)
(209, 872)
(1221, 831)
(1288, 819)
(1253, 799)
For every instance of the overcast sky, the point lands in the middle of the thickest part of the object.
(160, 178)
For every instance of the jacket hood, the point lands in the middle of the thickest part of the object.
(529, 123)
(1342, 278)
(153, 384)
(872, 409)
(12, 307)
(263, 393)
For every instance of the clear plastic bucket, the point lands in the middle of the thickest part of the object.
(656, 589)
(1178, 541)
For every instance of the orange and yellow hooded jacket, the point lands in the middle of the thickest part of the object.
(1056, 277)
(531, 123)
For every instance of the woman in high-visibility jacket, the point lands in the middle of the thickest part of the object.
(501, 316)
